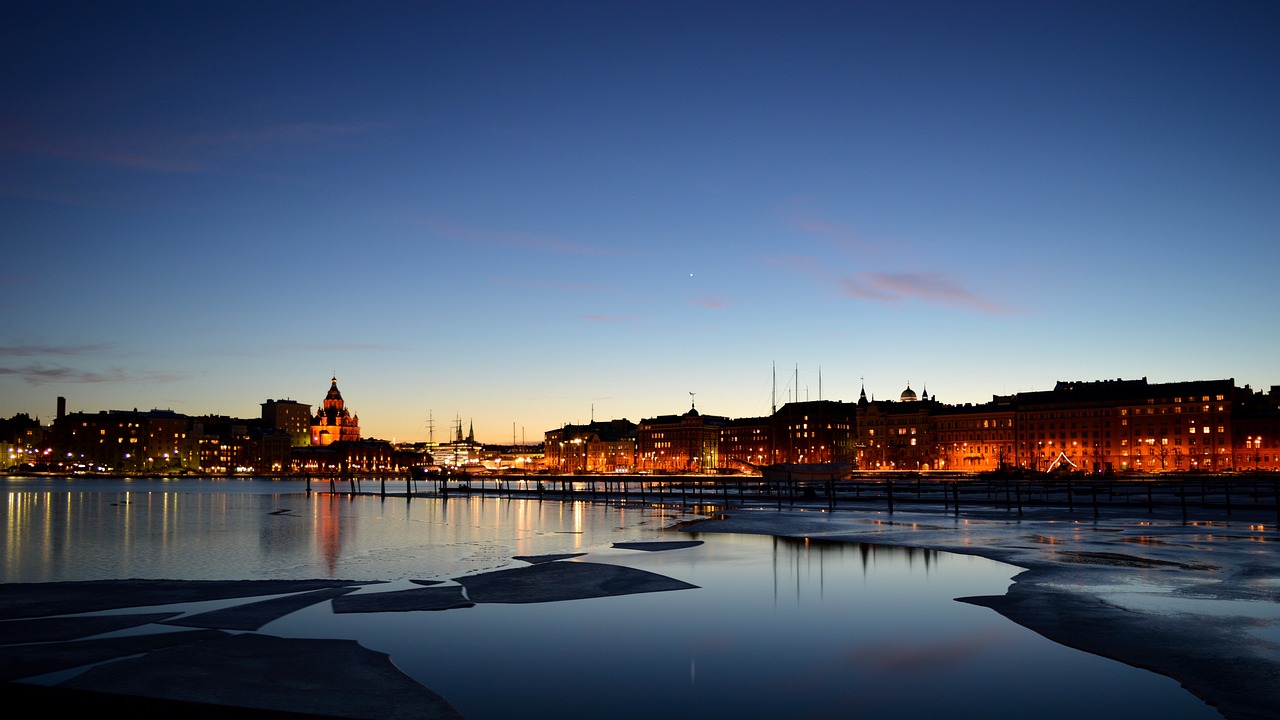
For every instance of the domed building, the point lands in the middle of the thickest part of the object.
(679, 443)
(897, 435)
(333, 421)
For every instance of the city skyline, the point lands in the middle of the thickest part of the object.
(525, 215)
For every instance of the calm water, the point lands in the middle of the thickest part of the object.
(775, 627)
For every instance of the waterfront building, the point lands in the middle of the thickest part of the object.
(817, 431)
(154, 441)
(348, 457)
(597, 447)
(680, 443)
(1112, 425)
(228, 446)
(1256, 430)
(747, 444)
(897, 435)
(333, 421)
(23, 442)
(291, 416)
(976, 438)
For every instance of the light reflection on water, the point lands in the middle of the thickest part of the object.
(795, 628)
(269, 530)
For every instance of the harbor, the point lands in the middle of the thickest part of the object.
(734, 589)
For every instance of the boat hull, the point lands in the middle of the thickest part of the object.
(807, 472)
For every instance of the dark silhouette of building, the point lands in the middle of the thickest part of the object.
(126, 441)
(814, 431)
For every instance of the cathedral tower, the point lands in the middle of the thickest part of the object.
(333, 421)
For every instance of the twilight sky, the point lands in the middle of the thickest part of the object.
(511, 212)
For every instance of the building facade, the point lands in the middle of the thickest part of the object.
(126, 441)
(976, 438)
(290, 416)
(817, 431)
(333, 422)
(688, 443)
(597, 447)
(897, 435)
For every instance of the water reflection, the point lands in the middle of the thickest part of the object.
(763, 627)
(166, 529)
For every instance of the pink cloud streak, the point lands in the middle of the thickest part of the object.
(929, 287)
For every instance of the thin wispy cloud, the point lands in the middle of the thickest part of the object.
(713, 303)
(42, 374)
(885, 287)
(928, 287)
(807, 216)
(281, 134)
(118, 152)
(840, 233)
(176, 152)
(56, 350)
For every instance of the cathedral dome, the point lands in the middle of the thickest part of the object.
(908, 395)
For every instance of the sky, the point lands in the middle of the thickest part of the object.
(524, 214)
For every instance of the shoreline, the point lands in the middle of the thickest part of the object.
(1198, 602)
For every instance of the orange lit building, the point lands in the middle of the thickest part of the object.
(976, 438)
(1117, 425)
(680, 443)
(897, 435)
(598, 447)
(348, 458)
(333, 421)
(1256, 430)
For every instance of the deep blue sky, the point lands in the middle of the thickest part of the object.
(511, 212)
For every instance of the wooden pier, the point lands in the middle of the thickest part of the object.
(1192, 496)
